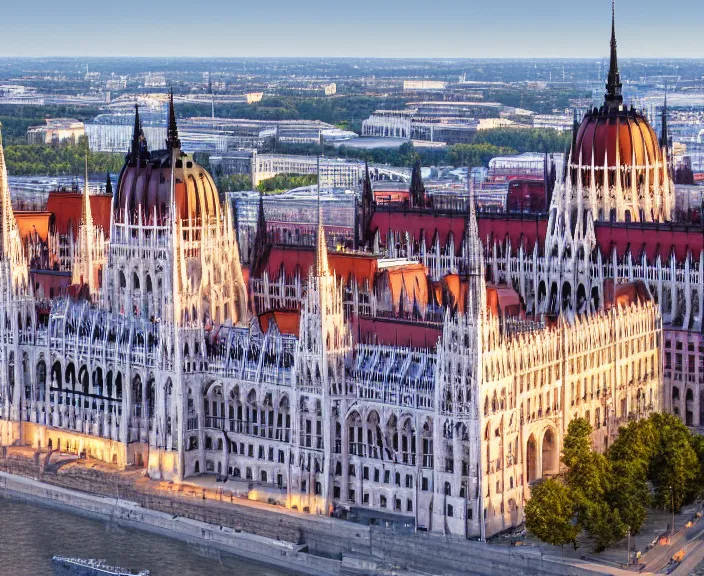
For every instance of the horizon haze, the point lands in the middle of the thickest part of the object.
(312, 28)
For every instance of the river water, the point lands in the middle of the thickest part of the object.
(30, 535)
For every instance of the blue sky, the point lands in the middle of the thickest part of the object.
(383, 28)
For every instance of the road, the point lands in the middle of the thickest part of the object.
(657, 559)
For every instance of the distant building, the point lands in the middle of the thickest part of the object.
(56, 130)
(416, 85)
(559, 122)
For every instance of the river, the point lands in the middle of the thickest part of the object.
(30, 535)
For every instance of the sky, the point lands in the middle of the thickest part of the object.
(355, 28)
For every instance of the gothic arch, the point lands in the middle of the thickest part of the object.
(550, 453)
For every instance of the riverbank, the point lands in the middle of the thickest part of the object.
(263, 532)
(130, 514)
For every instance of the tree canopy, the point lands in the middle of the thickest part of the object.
(609, 493)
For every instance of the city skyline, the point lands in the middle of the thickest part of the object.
(447, 29)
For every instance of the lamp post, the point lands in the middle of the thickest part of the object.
(672, 496)
(628, 549)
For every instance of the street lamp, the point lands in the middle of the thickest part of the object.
(672, 496)
(628, 549)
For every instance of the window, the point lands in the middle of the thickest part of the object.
(261, 452)
(250, 450)
(387, 476)
(352, 496)
(249, 473)
(409, 481)
(365, 473)
(397, 504)
(450, 510)
(365, 498)
(448, 489)
(382, 501)
(424, 484)
(398, 479)
(338, 469)
(271, 454)
(376, 474)
(303, 486)
(336, 492)
(282, 458)
(409, 505)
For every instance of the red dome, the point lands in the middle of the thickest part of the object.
(148, 184)
(603, 132)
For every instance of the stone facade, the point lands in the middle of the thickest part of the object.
(161, 363)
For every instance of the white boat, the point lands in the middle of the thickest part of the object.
(90, 567)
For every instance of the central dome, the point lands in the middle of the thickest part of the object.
(617, 159)
(612, 138)
(144, 185)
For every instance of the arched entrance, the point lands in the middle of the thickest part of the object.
(531, 459)
(689, 408)
(551, 462)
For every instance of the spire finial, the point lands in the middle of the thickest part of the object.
(136, 134)
(260, 241)
(321, 249)
(614, 96)
(664, 136)
(172, 139)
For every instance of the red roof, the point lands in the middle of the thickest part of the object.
(496, 227)
(654, 238)
(288, 321)
(396, 333)
(67, 209)
(344, 265)
(29, 222)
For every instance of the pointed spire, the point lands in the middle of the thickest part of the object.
(417, 186)
(367, 193)
(664, 136)
(260, 241)
(108, 184)
(172, 139)
(86, 216)
(321, 249)
(137, 136)
(613, 97)
(5, 203)
(473, 242)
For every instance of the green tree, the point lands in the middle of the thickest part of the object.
(628, 493)
(577, 442)
(550, 513)
(588, 480)
(283, 182)
(674, 467)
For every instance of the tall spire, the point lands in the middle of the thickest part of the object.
(614, 96)
(664, 136)
(108, 184)
(473, 242)
(260, 241)
(137, 135)
(321, 249)
(172, 139)
(417, 187)
(86, 216)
